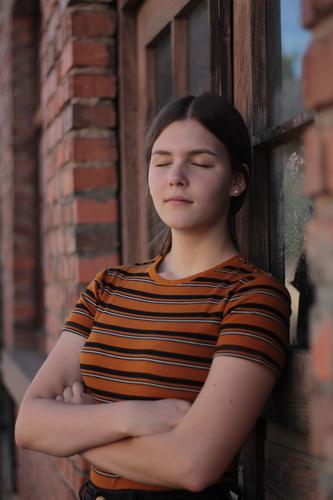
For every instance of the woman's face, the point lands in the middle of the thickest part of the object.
(190, 178)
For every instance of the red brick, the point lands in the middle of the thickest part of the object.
(99, 115)
(327, 136)
(94, 149)
(318, 74)
(66, 58)
(91, 54)
(92, 178)
(313, 173)
(93, 24)
(83, 85)
(309, 15)
(313, 11)
(67, 185)
(322, 350)
(88, 211)
(319, 248)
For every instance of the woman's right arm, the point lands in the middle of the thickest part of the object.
(49, 426)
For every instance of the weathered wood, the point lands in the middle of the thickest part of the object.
(179, 56)
(152, 20)
(130, 5)
(220, 15)
(242, 91)
(259, 64)
(289, 474)
(251, 464)
(128, 99)
(156, 17)
(288, 404)
(287, 437)
(260, 206)
(285, 132)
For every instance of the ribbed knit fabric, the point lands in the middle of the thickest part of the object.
(153, 338)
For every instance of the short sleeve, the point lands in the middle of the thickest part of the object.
(255, 324)
(82, 316)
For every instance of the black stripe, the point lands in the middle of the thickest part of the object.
(141, 375)
(272, 288)
(153, 352)
(81, 305)
(140, 293)
(167, 333)
(248, 350)
(78, 326)
(264, 307)
(254, 329)
(118, 396)
(152, 314)
(90, 293)
(124, 273)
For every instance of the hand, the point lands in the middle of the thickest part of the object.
(75, 394)
(152, 417)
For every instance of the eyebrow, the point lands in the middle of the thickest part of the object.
(191, 153)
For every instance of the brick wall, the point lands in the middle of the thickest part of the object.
(78, 150)
(59, 182)
(18, 187)
(318, 93)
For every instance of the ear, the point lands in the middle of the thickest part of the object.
(239, 182)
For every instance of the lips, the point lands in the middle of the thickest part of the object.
(179, 199)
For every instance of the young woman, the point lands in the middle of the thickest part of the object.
(180, 352)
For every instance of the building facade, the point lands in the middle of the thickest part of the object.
(79, 82)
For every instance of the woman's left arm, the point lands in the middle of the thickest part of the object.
(198, 450)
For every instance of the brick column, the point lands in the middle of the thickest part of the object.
(318, 93)
(79, 150)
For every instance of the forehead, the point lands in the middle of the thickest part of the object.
(187, 135)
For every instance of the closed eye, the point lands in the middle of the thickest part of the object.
(162, 164)
(204, 165)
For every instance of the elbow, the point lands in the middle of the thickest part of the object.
(197, 476)
(21, 437)
(27, 438)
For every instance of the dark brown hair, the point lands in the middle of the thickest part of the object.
(223, 120)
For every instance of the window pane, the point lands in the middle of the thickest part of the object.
(287, 41)
(163, 71)
(198, 50)
(290, 210)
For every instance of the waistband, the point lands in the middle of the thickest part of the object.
(89, 491)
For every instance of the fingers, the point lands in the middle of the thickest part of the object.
(75, 394)
(68, 394)
(78, 390)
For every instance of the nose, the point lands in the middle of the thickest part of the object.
(177, 175)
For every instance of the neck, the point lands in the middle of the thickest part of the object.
(191, 253)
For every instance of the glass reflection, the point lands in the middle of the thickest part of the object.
(290, 211)
(287, 41)
(198, 50)
(163, 71)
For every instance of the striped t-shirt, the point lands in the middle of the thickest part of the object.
(152, 338)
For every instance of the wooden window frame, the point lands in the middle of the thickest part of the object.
(285, 418)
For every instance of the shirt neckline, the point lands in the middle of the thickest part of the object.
(152, 270)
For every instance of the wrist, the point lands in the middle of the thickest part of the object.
(123, 416)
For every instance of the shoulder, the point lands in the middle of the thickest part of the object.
(124, 271)
(249, 280)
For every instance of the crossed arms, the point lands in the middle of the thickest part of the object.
(167, 443)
